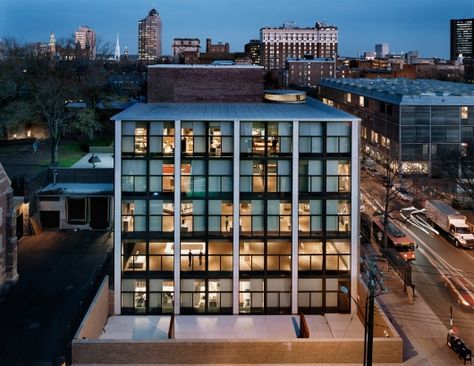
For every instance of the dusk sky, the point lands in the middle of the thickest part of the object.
(405, 24)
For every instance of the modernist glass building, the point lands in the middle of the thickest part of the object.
(232, 208)
(417, 122)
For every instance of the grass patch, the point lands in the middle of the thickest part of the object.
(102, 141)
(69, 154)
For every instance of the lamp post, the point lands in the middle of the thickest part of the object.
(368, 321)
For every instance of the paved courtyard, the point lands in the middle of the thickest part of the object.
(56, 270)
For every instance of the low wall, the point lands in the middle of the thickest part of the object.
(88, 352)
(384, 327)
(96, 317)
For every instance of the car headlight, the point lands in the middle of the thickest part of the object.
(465, 303)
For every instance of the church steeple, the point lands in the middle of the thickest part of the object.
(117, 49)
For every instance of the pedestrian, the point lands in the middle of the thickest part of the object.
(35, 146)
(227, 223)
(200, 258)
(190, 258)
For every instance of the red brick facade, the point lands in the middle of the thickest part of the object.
(194, 84)
(8, 241)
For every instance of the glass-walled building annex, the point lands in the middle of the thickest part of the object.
(240, 208)
(418, 123)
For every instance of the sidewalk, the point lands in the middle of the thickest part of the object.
(423, 333)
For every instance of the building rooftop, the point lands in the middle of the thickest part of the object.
(312, 110)
(262, 327)
(407, 91)
(316, 59)
(226, 65)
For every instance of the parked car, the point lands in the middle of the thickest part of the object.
(461, 289)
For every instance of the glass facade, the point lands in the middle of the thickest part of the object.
(416, 136)
(201, 209)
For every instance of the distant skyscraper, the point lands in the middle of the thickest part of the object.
(290, 41)
(85, 37)
(52, 44)
(381, 50)
(149, 37)
(461, 38)
(117, 49)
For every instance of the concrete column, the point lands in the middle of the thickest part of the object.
(294, 219)
(117, 218)
(236, 220)
(177, 216)
(355, 216)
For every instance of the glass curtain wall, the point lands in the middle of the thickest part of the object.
(147, 211)
(265, 217)
(323, 216)
(206, 217)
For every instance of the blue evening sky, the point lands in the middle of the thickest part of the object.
(405, 24)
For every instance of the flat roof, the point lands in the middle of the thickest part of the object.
(312, 110)
(66, 189)
(316, 59)
(198, 327)
(407, 91)
(204, 66)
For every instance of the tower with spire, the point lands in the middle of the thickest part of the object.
(117, 49)
(52, 44)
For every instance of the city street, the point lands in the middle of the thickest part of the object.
(56, 271)
(435, 256)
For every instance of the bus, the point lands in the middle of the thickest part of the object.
(396, 239)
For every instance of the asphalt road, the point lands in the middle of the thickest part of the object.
(436, 256)
(56, 270)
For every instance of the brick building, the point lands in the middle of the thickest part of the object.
(307, 72)
(8, 240)
(217, 48)
(279, 43)
(186, 50)
(201, 83)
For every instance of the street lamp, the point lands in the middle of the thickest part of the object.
(368, 321)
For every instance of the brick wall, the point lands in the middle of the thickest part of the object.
(96, 316)
(205, 84)
(309, 351)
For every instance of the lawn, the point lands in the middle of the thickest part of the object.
(69, 154)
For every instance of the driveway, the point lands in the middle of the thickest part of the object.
(57, 272)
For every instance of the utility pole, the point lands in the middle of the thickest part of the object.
(370, 319)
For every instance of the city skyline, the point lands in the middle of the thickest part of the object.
(422, 26)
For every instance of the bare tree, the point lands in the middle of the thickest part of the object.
(394, 182)
(457, 165)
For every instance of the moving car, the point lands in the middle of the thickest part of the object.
(461, 289)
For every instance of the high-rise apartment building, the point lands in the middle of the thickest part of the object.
(85, 38)
(291, 41)
(461, 38)
(234, 207)
(149, 37)
(382, 50)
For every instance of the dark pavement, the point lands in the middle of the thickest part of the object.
(58, 271)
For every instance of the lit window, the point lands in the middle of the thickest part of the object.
(361, 101)
(464, 112)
